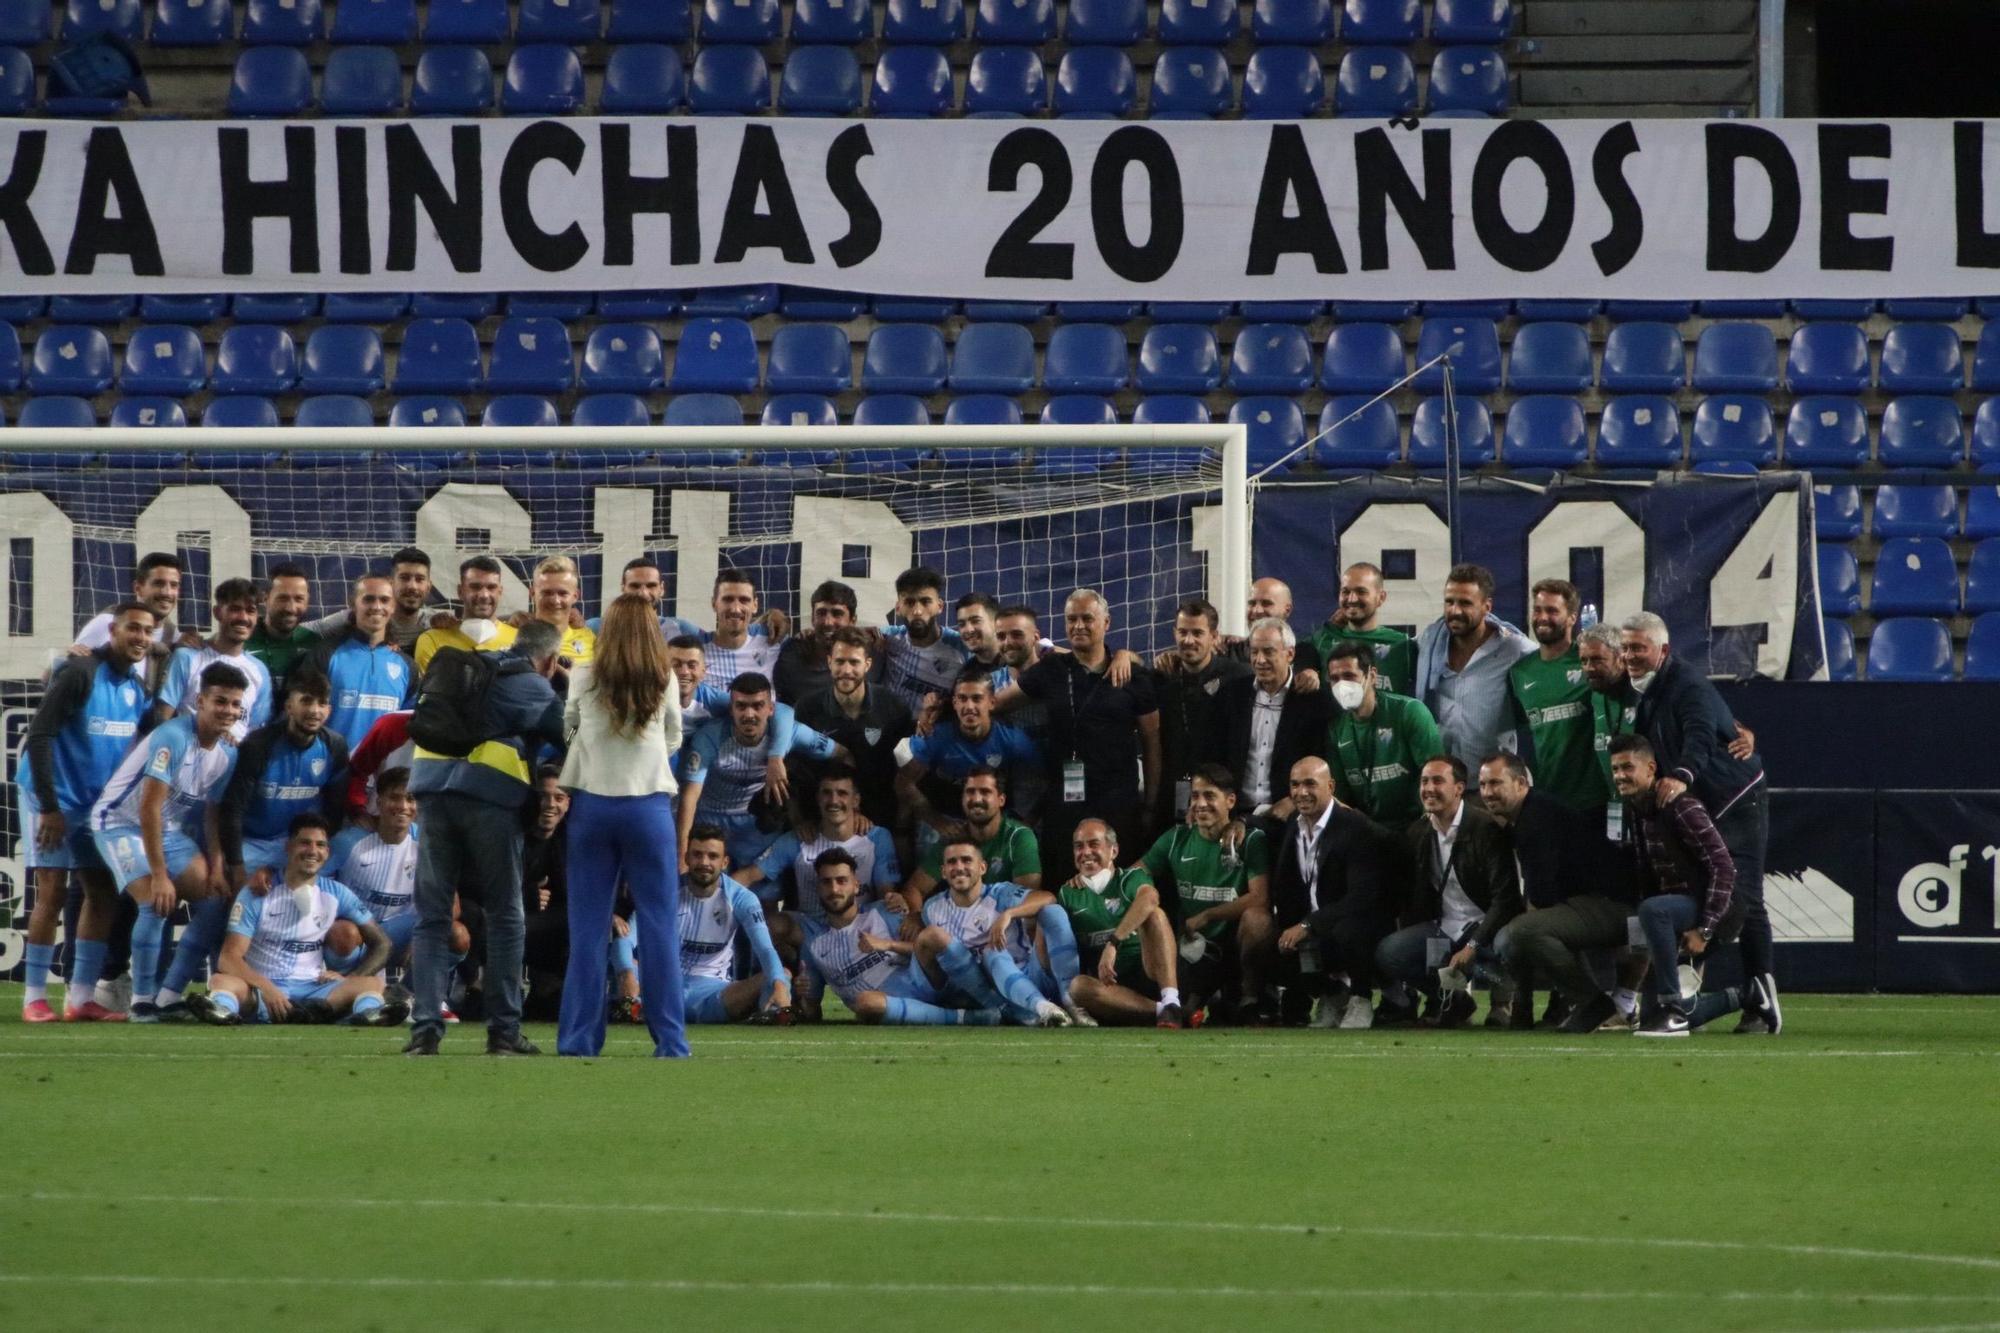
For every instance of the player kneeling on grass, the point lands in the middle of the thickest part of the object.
(976, 935)
(713, 909)
(1125, 938)
(272, 959)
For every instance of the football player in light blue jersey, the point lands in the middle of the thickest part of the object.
(920, 657)
(726, 768)
(238, 606)
(381, 869)
(701, 701)
(159, 811)
(878, 976)
(975, 927)
(714, 909)
(80, 732)
(738, 644)
(839, 825)
(272, 962)
(642, 578)
(369, 677)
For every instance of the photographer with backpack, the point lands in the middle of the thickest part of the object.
(478, 722)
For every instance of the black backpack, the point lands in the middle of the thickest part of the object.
(450, 715)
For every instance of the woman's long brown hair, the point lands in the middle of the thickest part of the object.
(630, 671)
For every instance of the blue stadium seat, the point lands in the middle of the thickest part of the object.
(820, 303)
(334, 409)
(1982, 648)
(1197, 23)
(1474, 348)
(467, 22)
(982, 409)
(427, 410)
(1642, 430)
(611, 409)
(1375, 81)
(10, 359)
(1372, 438)
(1537, 308)
(17, 81)
(34, 307)
(192, 23)
(1742, 309)
(542, 80)
(552, 305)
(1914, 576)
(246, 411)
(1283, 83)
(1982, 512)
(454, 305)
(374, 23)
(149, 411)
(1665, 312)
(706, 409)
(58, 412)
(643, 79)
(1644, 357)
(1086, 358)
(519, 409)
(122, 18)
(71, 358)
(1822, 431)
(1099, 312)
(1105, 23)
(1733, 428)
(342, 359)
(810, 358)
(1922, 358)
(1271, 358)
(1921, 430)
(715, 356)
(1837, 513)
(729, 81)
(1179, 358)
(1096, 81)
(1495, 310)
(820, 81)
(1170, 409)
(746, 302)
(1545, 430)
(1281, 312)
(1828, 358)
(892, 409)
(1006, 80)
(1736, 358)
(270, 81)
(1926, 307)
(92, 309)
(361, 81)
(1986, 436)
(1982, 578)
(904, 358)
(1276, 428)
(451, 81)
(638, 305)
(1469, 78)
(283, 22)
(1375, 312)
(26, 23)
(437, 356)
(1911, 649)
(530, 355)
(1915, 511)
(993, 358)
(1839, 580)
(831, 22)
(911, 81)
(800, 409)
(923, 22)
(740, 22)
(1986, 358)
(1362, 358)
(1479, 22)
(1291, 22)
(1848, 308)
(366, 307)
(1191, 81)
(1381, 22)
(1550, 358)
(1077, 409)
(1840, 664)
(256, 359)
(1014, 22)
(570, 21)
(649, 21)
(1475, 434)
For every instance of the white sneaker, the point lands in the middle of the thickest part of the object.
(1078, 1017)
(1360, 1014)
(1050, 1015)
(115, 995)
(1327, 1013)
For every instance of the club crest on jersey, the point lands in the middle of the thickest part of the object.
(318, 767)
(1211, 686)
(395, 670)
(1575, 677)
(872, 734)
(129, 695)
(1385, 736)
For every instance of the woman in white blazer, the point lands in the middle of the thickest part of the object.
(624, 723)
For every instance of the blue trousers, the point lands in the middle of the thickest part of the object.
(1665, 917)
(629, 838)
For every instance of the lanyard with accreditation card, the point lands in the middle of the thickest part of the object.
(1072, 769)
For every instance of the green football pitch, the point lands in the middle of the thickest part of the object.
(1838, 1177)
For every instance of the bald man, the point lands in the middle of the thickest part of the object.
(1358, 617)
(1271, 599)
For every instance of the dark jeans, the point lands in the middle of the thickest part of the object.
(1746, 831)
(471, 845)
(1549, 942)
(1665, 917)
(1405, 956)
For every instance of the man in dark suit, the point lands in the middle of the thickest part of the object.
(1463, 890)
(1338, 885)
(1270, 726)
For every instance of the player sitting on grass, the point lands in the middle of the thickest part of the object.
(713, 909)
(1219, 873)
(1125, 937)
(272, 959)
(973, 920)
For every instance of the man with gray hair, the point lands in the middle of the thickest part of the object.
(1269, 725)
(470, 812)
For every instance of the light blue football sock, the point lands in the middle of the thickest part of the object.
(1060, 942)
(227, 1003)
(901, 1011)
(199, 942)
(147, 933)
(1022, 994)
(366, 1003)
(86, 965)
(968, 977)
(41, 957)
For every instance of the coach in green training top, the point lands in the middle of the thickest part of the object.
(1555, 699)
(1361, 599)
(1214, 874)
(1377, 744)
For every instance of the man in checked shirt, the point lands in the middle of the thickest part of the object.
(1692, 882)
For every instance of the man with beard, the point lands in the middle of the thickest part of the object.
(367, 676)
(869, 720)
(977, 616)
(1125, 942)
(739, 643)
(280, 639)
(1554, 698)
(805, 660)
(1378, 741)
(1193, 719)
(976, 932)
(920, 656)
(935, 765)
(235, 617)
(1356, 618)
(793, 854)
(714, 910)
(157, 583)
(479, 582)
(728, 763)
(1009, 848)
(641, 577)
(1463, 661)
(410, 572)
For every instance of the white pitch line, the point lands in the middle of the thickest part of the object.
(1080, 1054)
(1980, 1262)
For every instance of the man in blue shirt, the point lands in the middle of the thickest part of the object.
(937, 764)
(725, 771)
(367, 676)
(236, 609)
(714, 910)
(85, 723)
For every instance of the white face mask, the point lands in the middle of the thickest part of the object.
(1349, 693)
(479, 631)
(1096, 880)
